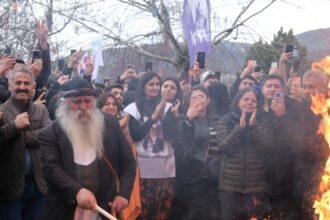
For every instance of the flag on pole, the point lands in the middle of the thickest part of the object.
(196, 27)
(96, 47)
(92, 54)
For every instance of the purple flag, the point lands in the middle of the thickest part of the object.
(196, 27)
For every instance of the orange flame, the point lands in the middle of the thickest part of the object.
(323, 64)
(321, 106)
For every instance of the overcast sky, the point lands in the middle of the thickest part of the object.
(301, 15)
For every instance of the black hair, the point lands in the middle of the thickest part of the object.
(250, 78)
(273, 76)
(109, 88)
(140, 95)
(211, 76)
(178, 94)
(238, 97)
(197, 88)
(102, 99)
(20, 61)
(99, 85)
(219, 97)
(133, 84)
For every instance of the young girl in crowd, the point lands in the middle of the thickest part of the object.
(107, 103)
(171, 90)
(152, 127)
(197, 134)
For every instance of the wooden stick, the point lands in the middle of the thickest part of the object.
(105, 213)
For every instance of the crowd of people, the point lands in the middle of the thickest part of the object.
(148, 148)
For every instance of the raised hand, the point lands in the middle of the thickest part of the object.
(74, 59)
(35, 67)
(40, 99)
(242, 121)
(124, 121)
(128, 74)
(253, 118)
(278, 107)
(42, 34)
(248, 70)
(175, 108)
(159, 110)
(285, 56)
(62, 79)
(298, 94)
(195, 110)
(195, 72)
(7, 63)
(89, 67)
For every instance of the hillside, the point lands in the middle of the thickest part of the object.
(317, 43)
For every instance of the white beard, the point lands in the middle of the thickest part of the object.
(85, 132)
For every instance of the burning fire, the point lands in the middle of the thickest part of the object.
(321, 106)
(324, 65)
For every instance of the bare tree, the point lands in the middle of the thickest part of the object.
(163, 25)
(17, 27)
(135, 24)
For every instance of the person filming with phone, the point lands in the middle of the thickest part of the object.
(279, 109)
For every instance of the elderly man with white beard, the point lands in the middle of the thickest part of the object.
(87, 160)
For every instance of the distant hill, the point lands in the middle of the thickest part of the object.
(317, 43)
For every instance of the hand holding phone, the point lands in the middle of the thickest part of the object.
(7, 51)
(148, 66)
(289, 48)
(60, 64)
(279, 96)
(201, 59)
(278, 105)
(257, 69)
(36, 54)
(295, 82)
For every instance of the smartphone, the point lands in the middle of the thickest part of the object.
(36, 54)
(295, 82)
(72, 51)
(295, 52)
(130, 66)
(257, 69)
(296, 66)
(7, 51)
(289, 48)
(106, 81)
(274, 65)
(60, 64)
(201, 59)
(148, 66)
(218, 74)
(279, 96)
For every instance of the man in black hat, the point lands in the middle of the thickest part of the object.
(87, 160)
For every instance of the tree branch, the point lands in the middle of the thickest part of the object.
(135, 47)
(225, 33)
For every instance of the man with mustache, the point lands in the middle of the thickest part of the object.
(87, 160)
(21, 181)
